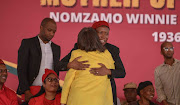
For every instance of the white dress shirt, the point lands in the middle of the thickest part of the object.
(46, 61)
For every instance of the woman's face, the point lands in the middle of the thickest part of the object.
(51, 83)
(148, 92)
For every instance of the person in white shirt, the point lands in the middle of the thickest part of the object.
(34, 55)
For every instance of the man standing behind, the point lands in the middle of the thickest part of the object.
(34, 55)
(167, 77)
(7, 96)
(102, 29)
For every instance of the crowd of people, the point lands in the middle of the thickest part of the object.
(91, 68)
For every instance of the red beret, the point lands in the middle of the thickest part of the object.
(1, 62)
(99, 24)
(47, 72)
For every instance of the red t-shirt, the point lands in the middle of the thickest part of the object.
(7, 96)
(41, 100)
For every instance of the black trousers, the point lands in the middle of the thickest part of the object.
(113, 85)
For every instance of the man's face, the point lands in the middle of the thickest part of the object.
(167, 51)
(148, 92)
(130, 95)
(48, 31)
(103, 33)
(3, 74)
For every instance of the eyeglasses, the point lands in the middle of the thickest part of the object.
(168, 48)
(3, 70)
(52, 79)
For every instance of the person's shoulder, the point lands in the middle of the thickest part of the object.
(111, 45)
(158, 68)
(10, 92)
(27, 40)
(112, 48)
(58, 95)
(177, 61)
(77, 51)
(32, 38)
(55, 44)
(38, 98)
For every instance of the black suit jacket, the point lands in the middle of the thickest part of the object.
(29, 60)
(118, 72)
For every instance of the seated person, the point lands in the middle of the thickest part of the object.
(49, 93)
(130, 93)
(146, 92)
(80, 86)
(7, 96)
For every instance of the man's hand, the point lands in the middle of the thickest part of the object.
(78, 65)
(28, 95)
(100, 71)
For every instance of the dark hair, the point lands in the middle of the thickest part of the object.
(46, 20)
(142, 85)
(88, 40)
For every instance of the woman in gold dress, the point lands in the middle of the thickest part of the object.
(80, 86)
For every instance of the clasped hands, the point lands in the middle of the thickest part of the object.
(80, 65)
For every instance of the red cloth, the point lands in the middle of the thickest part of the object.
(33, 89)
(41, 100)
(7, 96)
(47, 72)
(99, 24)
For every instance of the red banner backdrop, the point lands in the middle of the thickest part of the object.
(137, 27)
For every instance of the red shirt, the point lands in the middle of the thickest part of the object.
(41, 100)
(7, 96)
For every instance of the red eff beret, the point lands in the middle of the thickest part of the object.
(47, 72)
(1, 62)
(100, 24)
